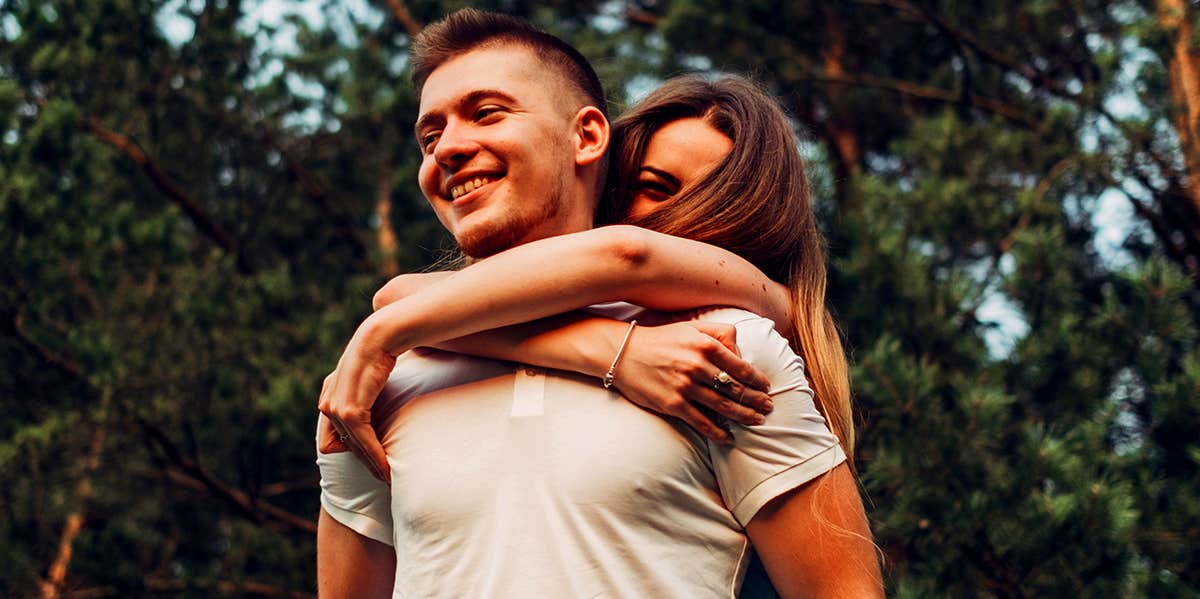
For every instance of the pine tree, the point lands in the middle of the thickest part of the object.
(195, 221)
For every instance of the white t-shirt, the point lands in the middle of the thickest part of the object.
(511, 481)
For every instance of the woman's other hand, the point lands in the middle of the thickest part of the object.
(672, 370)
(346, 399)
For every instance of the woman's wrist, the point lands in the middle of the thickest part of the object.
(610, 375)
(378, 334)
(593, 343)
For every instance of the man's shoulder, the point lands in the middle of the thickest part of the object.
(728, 315)
(424, 370)
(617, 310)
(721, 314)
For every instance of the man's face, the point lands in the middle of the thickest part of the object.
(498, 162)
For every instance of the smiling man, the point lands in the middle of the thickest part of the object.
(513, 128)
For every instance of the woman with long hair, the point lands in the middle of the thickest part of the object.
(709, 188)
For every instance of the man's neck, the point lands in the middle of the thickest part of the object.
(578, 218)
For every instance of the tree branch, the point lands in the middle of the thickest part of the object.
(50, 356)
(188, 473)
(313, 189)
(173, 586)
(280, 488)
(1183, 68)
(1039, 193)
(1007, 111)
(252, 508)
(965, 38)
(410, 23)
(641, 17)
(167, 186)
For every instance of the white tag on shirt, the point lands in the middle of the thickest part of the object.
(529, 393)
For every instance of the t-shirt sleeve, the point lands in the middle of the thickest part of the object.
(353, 497)
(793, 445)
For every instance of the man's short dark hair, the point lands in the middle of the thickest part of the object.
(471, 29)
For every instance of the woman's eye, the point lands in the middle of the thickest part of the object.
(653, 190)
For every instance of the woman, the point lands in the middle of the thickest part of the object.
(723, 129)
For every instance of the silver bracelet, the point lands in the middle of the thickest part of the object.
(612, 370)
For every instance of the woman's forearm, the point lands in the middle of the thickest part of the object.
(556, 275)
(665, 369)
(575, 342)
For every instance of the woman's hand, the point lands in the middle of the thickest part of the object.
(672, 370)
(346, 399)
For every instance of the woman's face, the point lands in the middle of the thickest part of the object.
(679, 154)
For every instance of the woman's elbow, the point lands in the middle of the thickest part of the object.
(381, 298)
(394, 290)
(625, 246)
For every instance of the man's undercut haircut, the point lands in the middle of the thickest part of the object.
(471, 29)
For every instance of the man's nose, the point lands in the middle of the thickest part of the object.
(455, 146)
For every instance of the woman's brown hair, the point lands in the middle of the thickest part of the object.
(755, 203)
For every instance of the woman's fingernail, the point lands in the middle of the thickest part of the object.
(769, 406)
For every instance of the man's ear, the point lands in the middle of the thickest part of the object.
(591, 135)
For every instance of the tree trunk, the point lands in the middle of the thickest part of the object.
(845, 143)
(388, 266)
(1183, 69)
(52, 587)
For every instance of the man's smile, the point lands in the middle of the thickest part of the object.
(459, 190)
(463, 188)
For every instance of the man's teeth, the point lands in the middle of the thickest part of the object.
(468, 187)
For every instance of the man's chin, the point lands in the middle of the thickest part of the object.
(481, 242)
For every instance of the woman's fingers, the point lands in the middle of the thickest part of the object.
(725, 406)
(691, 370)
(746, 385)
(753, 399)
(725, 356)
(703, 424)
(347, 427)
(359, 437)
(328, 439)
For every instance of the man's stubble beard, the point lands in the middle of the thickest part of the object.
(511, 229)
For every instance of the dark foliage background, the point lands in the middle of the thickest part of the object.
(198, 198)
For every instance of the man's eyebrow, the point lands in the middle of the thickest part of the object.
(433, 119)
(480, 95)
(662, 174)
(427, 120)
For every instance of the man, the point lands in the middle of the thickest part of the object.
(497, 483)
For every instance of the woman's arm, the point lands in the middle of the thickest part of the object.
(618, 262)
(814, 541)
(540, 278)
(405, 285)
(559, 274)
(666, 369)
